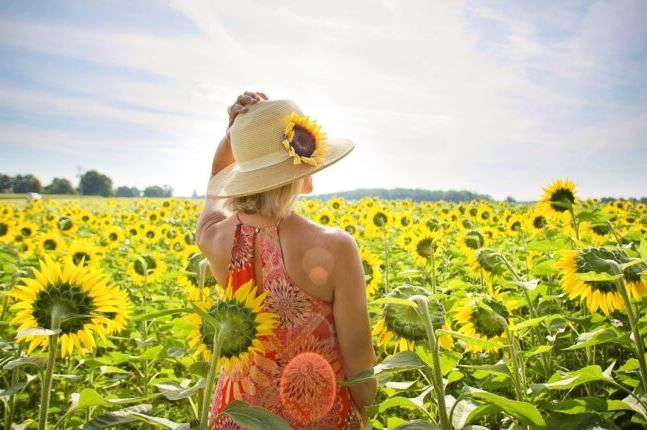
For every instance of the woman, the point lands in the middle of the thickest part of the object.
(312, 274)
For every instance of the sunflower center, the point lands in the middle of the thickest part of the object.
(113, 237)
(350, 229)
(303, 142)
(484, 320)
(539, 222)
(3, 229)
(26, 231)
(488, 260)
(473, 239)
(80, 256)
(150, 265)
(241, 327)
(562, 199)
(601, 229)
(368, 271)
(433, 225)
(405, 320)
(588, 260)
(379, 219)
(50, 244)
(425, 247)
(325, 219)
(75, 301)
(65, 223)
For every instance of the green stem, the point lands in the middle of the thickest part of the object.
(433, 270)
(57, 312)
(386, 260)
(635, 331)
(574, 221)
(211, 377)
(437, 379)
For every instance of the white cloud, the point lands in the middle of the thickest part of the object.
(407, 82)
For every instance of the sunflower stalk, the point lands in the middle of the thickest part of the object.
(437, 379)
(58, 311)
(387, 250)
(616, 269)
(218, 337)
(574, 221)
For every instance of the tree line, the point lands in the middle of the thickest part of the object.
(91, 183)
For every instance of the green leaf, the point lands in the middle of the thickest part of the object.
(594, 215)
(38, 362)
(166, 312)
(175, 391)
(523, 411)
(393, 301)
(89, 398)
(528, 285)
(152, 353)
(161, 422)
(598, 276)
(643, 248)
(254, 417)
(539, 349)
(122, 416)
(588, 339)
(417, 425)
(36, 332)
(469, 339)
(404, 360)
(14, 389)
(529, 323)
(573, 379)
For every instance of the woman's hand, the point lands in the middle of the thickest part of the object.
(241, 103)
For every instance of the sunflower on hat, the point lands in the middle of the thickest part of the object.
(304, 140)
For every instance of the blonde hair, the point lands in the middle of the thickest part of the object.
(276, 202)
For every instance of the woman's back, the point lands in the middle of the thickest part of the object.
(293, 262)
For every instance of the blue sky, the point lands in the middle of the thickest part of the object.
(495, 97)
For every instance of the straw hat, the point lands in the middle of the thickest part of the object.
(273, 144)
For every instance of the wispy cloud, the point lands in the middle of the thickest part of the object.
(435, 94)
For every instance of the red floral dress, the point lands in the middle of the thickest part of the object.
(305, 324)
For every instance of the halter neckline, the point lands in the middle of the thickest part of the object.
(257, 227)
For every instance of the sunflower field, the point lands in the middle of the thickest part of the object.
(485, 315)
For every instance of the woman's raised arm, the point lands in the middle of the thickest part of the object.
(351, 319)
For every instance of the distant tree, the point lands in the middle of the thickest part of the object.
(26, 184)
(157, 191)
(127, 192)
(60, 186)
(5, 183)
(510, 199)
(94, 183)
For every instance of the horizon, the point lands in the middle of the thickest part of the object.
(505, 99)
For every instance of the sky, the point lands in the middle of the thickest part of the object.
(499, 98)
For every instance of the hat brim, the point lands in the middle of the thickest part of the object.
(231, 182)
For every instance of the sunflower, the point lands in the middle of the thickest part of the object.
(83, 250)
(113, 236)
(404, 325)
(335, 204)
(484, 262)
(558, 197)
(349, 224)
(536, 220)
(146, 266)
(304, 140)
(308, 387)
(423, 247)
(471, 240)
(241, 314)
(26, 229)
(325, 217)
(88, 305)
(372, 271)
(7, 230)
(49, 242)
(598, 294)
(479, 321)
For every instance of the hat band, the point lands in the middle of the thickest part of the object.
(264, 161)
